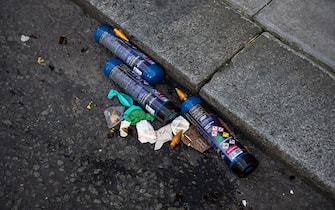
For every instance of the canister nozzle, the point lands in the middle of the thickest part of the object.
(119, 33)
(181, 94)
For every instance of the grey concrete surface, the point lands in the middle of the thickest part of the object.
(285, 102)
(249, 7)
(308, 24)
(191, 39)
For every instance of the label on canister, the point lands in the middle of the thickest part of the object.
(138, 88)
(215, 134)
(128, 54)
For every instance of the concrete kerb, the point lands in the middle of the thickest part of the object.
(186, 59)
(249, 8)
(249, 116)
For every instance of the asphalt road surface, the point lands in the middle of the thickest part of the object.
(57, 154)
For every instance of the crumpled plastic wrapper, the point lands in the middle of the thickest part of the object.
(244, 203)
(24, 38)
(114, 115)
(133, 114)
(179, 123)
(124, 99)
(164, 134)
(145, 132)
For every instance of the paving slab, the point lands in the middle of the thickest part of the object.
(308, 24)
(284, 102)
(191, 39)
(250, 7)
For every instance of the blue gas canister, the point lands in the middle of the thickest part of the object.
(239, 160)
(129, 54)
(139, 89)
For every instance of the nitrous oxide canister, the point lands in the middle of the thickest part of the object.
(232, 151)
(129, 54)
(139, 89)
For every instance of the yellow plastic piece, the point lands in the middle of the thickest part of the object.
(176, 139)
(40, 60)
(225, 134)
(119, 33)
(89, 105)
(182, 95)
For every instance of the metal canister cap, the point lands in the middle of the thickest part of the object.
(100, 30)
(109, 65)
(189, 103)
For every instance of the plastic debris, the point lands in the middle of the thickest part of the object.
(124, 99)
(145, 132)
(130, 109)
(291, 192)
(179, 123)
(244, 203)
(124, 128)
(89, 105)
(133, 114)
(24, 38)
(114, 115)
(136, 116)
(178, 126)
(164, 134)
(40, 60)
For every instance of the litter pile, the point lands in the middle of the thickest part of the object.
(135, 73)
(120, 118)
